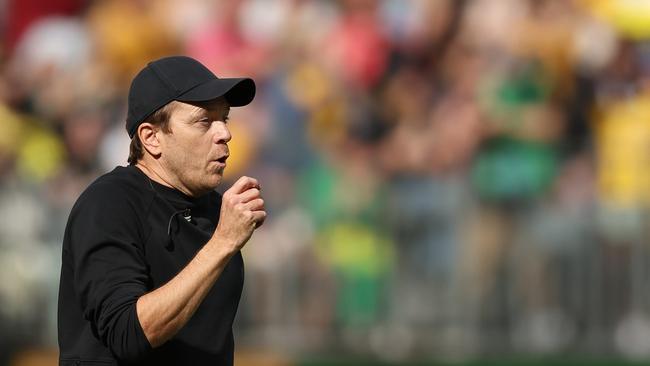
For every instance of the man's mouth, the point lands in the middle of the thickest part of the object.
(223, 159)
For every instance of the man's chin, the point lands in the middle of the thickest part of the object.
(215, 180)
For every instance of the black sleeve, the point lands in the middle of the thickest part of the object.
(110, 272)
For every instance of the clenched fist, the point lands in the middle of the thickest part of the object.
(242, 211)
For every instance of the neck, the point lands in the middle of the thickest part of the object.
(156, 173)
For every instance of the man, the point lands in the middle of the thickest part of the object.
(152, 271)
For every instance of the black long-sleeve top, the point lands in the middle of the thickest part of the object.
(128, 235)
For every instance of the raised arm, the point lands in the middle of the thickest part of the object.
(164, 311)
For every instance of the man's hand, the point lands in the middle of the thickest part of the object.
(242, 211)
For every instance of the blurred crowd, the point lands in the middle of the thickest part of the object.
(444, 178)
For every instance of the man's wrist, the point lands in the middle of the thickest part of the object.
(219, 247)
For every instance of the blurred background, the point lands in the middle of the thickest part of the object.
(450, 181)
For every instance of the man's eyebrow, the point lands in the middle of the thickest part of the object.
(199, 113)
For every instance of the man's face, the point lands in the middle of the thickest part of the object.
(194, 152)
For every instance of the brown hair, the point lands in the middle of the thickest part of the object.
(159, 118)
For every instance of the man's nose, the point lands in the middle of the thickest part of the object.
(222, 135)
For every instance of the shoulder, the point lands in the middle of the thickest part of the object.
(122, 187)
(112, 208)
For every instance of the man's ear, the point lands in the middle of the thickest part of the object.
(148, 134)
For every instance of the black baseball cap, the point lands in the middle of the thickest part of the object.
(183, 79)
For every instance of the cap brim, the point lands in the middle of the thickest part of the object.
(237, 91)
